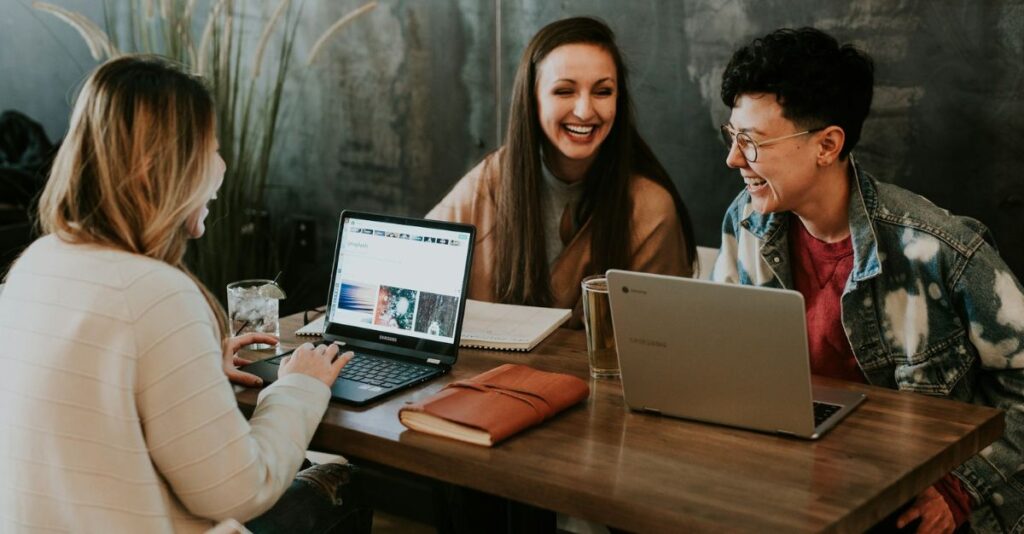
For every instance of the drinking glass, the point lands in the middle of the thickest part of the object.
(253, 307)
(597, 318)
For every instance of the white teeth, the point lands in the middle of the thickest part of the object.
(579, 130)
(754, 181)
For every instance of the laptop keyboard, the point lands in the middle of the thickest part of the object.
(824, 410)
(377, 371)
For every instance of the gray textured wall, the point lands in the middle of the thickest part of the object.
(410, 97)
(42, 61)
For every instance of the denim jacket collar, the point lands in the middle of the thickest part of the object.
(770, 228)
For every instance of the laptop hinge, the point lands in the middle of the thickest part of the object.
(433, 361)
(651, 410)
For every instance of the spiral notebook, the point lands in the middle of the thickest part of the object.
(493, 326)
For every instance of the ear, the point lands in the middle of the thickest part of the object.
(830, 145)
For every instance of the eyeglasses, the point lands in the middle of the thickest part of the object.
(749, 147)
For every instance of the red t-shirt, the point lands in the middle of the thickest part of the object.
(820, 271)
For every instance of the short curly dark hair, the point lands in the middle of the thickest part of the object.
(817, 81)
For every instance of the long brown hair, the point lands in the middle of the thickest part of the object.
(521, 270)
(135, 164)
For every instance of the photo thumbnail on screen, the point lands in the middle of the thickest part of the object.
(396, 307)
(356, 301)
(436, 314)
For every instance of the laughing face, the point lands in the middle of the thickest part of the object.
(784, 177)
(576, 93)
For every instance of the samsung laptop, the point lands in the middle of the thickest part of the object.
(720, 353)
(397, 298)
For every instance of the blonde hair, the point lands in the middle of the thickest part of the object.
(136, 163)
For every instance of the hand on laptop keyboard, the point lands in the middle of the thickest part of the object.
(321, 362)
(232, 361)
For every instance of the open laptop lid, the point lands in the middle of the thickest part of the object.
(399, 285)
(721, 353)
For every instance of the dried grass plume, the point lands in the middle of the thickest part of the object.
(369, 6)
(96, 39)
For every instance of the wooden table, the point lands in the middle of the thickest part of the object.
(601, 462)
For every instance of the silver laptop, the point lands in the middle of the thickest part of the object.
(720, 353)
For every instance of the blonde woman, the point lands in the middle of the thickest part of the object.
(116, 413)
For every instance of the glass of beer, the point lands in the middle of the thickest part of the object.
(597, 318)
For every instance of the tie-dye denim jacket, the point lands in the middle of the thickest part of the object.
(929, 307)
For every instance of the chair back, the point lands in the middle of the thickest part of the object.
(706, 256)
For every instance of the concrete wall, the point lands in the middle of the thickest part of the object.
(42, 61)
(410, 97)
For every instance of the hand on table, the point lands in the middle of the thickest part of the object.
(936, 517)
(232, 361)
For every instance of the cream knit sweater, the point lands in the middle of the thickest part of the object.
(115, 415)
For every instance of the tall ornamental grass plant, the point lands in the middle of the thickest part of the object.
(248, 84)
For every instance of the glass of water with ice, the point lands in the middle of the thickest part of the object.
(252, 307)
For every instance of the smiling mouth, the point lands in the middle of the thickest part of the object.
(580, 131)
(754, 184)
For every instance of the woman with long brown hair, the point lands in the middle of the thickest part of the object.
(575, 190)
(117, 413)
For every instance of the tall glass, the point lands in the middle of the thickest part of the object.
(597, 318)
(253, 308)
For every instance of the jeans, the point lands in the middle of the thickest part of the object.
(322, 498)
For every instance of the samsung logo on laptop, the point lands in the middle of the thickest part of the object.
(648, 342)
(388, 338)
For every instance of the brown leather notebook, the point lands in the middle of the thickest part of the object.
(494, 405)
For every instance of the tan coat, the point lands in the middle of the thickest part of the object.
(658, 243)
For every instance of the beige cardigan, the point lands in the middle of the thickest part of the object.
(115, 415)
(658, 245)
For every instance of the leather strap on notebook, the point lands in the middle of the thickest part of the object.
(544, 411)
(500, 402)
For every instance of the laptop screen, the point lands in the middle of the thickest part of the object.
(399, 281)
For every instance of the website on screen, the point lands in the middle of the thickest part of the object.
(400, 279)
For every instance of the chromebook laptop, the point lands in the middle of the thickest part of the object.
(397, 299)
(721, 353)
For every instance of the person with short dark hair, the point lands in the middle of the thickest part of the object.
(899, 293)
